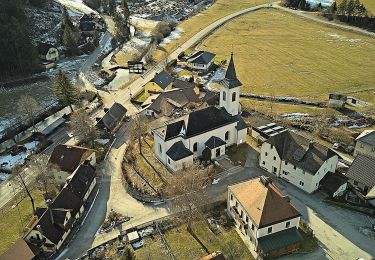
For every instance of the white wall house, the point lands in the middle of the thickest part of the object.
(260, 212)
(297, 160)
(365, 144)
(48, 52)
(180, 141)
(201, 60)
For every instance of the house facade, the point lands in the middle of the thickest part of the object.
(298, 160)
(201, 60)
(264, 216)
(160, 83)
(202, 130)
(47, 52)
(365, 144)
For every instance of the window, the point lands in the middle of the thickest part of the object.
(241, 213)
(264, 163)
(224, 96)
(236, 204)
(285, 172)
(286, 163)
(227, 136)
(169, 161)
(160, 150)
(247, 219)
(274, 158)
(287, 224)
(274, 169)
(266, 154)
(295, 167)
(301, 183)
(231, 197)
(269, 230)
(195, 147)
(252, 227)
(234, 96)
(271, 146)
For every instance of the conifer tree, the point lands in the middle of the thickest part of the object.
(64, 90)
(70, 41)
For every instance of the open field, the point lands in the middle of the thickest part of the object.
(193, 25)
(12, 226)
(277, 53)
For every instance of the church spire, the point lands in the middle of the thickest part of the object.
(231, 80)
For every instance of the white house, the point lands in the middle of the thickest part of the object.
(47, 52)
(201, 60)
(365, 144)
(213, 129)
(298, 160)
(264, 216)
(55, 222)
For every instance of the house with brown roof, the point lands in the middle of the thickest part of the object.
(20, 250)
(297, 159)
(67, 159)
(264, 215)
(54, 223)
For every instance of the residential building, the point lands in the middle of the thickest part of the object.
(365, 144)
(172, 102)
(210, 128)
(295, 158)
(47, 52)
(264, 215)
(160, 83)
(201, 60)
(361, 175)
(334, 184)
(68, 158)
(55, 222)
(183, 84)
(337, 100)
(112, 119)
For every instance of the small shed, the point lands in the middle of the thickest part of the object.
(334, 184)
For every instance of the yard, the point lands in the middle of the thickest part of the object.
(14, 226)
(277, 53)
(193, 25)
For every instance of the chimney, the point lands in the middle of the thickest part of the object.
(311, 145)
(265, 180)
(48, 202)
(287, 198)
(39, 228)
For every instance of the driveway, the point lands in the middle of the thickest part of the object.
(336, 228)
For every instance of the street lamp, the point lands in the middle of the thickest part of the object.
(16, 206)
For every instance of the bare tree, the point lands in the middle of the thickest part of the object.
(20, 175)
(138, 128)
(45, 173)
(232, 250)
(29, 108)
(188, 195)
(83, 127)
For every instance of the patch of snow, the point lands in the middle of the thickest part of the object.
(173, 36)
(177, 69)
(93, 105)
(9, 161)
(294, 115)
(4, 176)
(355, 126)
(102, 141)
(77, 6)
(343, 38)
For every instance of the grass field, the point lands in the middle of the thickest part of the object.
(218, 10)
(277, 53)
(11, 228)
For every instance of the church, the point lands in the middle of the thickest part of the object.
(206, 131)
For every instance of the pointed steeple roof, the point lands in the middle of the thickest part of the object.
(231, 80)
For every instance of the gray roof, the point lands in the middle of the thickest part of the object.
(368, 138)
(168, 101)
(300, 151)
(114, 115)
(163, 79)
(279, 240)
(178, 151)
(179, 83)
(231, 80)
(214, 142)
(241, 123)
(202, 57)
(362, 170)
(331, 182)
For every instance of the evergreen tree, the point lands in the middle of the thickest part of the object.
(122, 30)
(128, 254)
(96, 39)
(333, 7)
(350, 8)
(342, 7)
(126, 9)
(70, 41)
(66, 20)
(64, 90)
